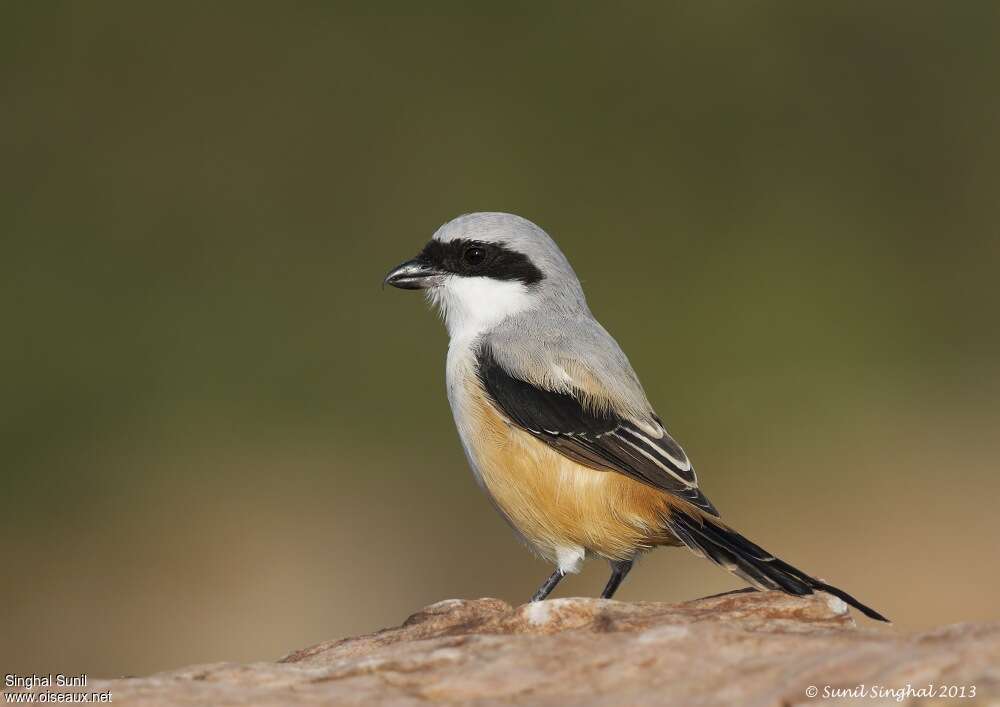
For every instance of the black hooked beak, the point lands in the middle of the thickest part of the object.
(414, 274)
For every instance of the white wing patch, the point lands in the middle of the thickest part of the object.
(653, 458)
(648, 437)
(679, 462)
(599, 433)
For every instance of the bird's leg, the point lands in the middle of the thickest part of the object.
(619, 568)
(548, 585)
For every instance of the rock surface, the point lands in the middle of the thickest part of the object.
(741, 648)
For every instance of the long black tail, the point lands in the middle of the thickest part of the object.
(724, 546)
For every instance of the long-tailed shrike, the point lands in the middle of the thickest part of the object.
(553, 419)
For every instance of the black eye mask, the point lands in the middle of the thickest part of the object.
(480, 259)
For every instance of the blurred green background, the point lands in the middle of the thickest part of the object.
(222, 441)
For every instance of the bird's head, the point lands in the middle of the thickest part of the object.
(482, 268)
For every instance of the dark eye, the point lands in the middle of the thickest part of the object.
(474, 255)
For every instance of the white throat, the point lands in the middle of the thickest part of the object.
(472, 305)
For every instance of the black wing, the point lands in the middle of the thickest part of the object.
(599, 440)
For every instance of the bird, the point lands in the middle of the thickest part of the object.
(554, 423)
